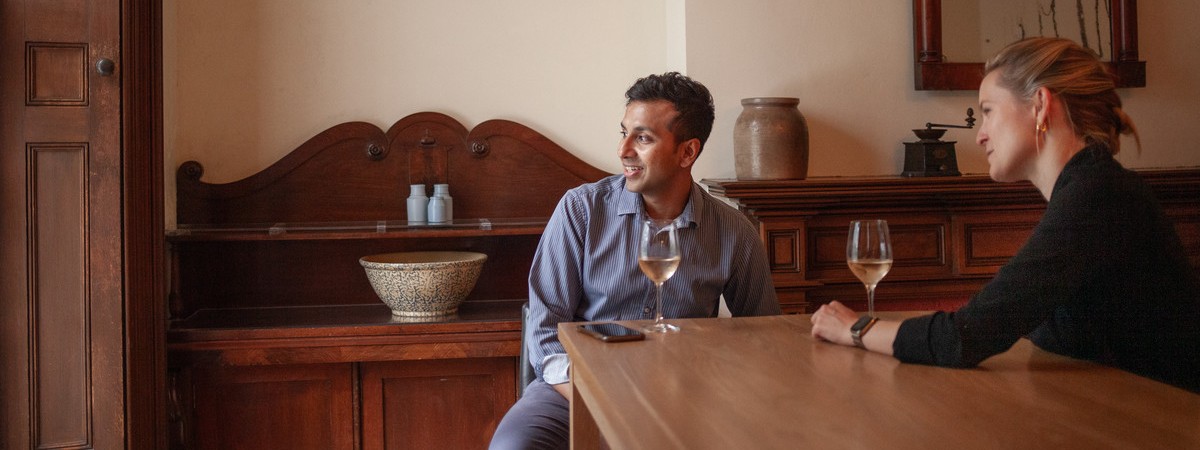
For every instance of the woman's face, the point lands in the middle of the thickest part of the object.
(1006, 132)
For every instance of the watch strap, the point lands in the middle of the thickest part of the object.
(860, 328)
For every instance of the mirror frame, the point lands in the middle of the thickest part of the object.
(933, 73)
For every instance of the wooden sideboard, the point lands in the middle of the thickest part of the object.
(275, 338)
(950, 234)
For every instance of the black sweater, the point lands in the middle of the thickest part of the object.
(1103, 278)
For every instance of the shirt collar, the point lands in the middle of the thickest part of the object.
(631, 203)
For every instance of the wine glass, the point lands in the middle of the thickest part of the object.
(869, 255)
(658, 256)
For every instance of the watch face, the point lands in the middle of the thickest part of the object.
(862, 322)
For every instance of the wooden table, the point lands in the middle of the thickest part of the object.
(764, 382)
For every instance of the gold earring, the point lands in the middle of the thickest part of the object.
(1038, 130)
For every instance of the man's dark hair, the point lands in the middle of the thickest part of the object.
(691, 99)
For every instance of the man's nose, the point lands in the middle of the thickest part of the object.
(625, 148)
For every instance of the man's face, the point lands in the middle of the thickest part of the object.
(650, 155)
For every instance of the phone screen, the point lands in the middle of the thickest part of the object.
(611, 332)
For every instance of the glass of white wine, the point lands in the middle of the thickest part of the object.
(869, 255)
(658, 257)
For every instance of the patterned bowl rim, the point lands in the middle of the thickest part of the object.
(449, 259)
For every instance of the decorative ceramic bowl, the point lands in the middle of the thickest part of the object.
(423, 284)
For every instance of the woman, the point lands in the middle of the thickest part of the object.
(1103, 277)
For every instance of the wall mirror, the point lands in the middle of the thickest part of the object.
(974, 29)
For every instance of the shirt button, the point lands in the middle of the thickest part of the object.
(646, 310)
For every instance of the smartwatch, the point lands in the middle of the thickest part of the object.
(860, 329)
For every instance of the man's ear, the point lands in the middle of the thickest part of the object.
(690, 151)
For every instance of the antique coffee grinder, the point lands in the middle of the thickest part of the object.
(930, 156)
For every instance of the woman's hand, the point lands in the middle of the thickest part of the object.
(832, 323)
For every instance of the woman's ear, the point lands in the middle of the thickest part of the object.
(1041, 105)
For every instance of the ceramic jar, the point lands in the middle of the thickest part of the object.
(443, 191)
(770, 140)
(417, 204)
(437, 210)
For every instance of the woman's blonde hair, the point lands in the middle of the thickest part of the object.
(1076, 76)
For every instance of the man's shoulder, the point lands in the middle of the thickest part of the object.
(605, 188)
(717, 210)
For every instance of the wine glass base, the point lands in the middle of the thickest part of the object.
(660, 328)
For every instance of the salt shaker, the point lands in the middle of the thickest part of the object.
(417, 204)
(443, 191)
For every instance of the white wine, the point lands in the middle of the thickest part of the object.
(658, 270)
(870, 271)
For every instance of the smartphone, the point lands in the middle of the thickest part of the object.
(611, 332)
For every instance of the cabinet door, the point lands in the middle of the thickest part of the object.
(445, 404)
(986, 241)
(919, 246)
(309, 406)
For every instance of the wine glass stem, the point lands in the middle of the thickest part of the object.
(871, 301)
(658, 314)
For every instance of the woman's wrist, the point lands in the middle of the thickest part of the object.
(882, 336)
(860, 329)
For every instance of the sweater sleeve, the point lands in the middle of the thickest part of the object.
(1070, 246)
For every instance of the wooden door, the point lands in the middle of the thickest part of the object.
(62, 326)
(303, 406)
(447, 404)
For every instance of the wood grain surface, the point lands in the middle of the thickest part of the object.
(764, 382)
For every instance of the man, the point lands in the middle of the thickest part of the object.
(586, 269)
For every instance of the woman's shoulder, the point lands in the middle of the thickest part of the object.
(1093, 172)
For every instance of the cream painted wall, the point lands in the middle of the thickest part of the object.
(248, 80)
(851, 67)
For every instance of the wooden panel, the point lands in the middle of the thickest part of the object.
(950, 234)
(293, 407)
(326, 272)
(355, 171)
(50, 92)
(899, 295)
(783, 250)
(60, 306)
(826, 252)
(988, 241)
(56, 74)
(435, 404)
(919, 246)
(1188, 228)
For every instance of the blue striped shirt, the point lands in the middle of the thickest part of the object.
(586, 268)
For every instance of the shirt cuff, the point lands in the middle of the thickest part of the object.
(556, 368)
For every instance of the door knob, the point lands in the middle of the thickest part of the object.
(105, 66)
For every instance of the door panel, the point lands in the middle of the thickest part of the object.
(62, 382)
(59, 312)
(306, 406)
(448, 404)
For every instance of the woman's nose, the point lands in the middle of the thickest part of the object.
(981, 137)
